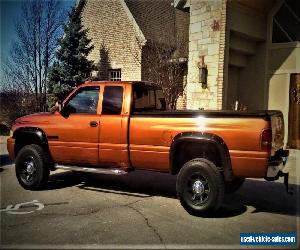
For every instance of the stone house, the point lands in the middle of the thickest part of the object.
(241, 53)
(251, 50)
(129, 36)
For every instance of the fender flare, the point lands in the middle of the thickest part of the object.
(200, 137)
(31, 132)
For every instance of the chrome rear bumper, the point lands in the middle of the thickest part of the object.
(276, 165)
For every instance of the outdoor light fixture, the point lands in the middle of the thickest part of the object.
(202, 72)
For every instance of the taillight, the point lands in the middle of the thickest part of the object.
(266, 140)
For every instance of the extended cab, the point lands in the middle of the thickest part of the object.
(117, 127)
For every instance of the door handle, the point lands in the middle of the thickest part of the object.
(93, 123)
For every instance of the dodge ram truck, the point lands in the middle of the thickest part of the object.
(117, 127)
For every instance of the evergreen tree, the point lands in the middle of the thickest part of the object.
(72, 66)
(57, 89)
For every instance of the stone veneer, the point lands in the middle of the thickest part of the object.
(206, 38)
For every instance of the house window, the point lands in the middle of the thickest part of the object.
(114, 75)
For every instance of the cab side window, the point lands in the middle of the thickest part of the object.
(84, 101)
(112, 100)
(147, 98)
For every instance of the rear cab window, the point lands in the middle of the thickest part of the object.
(147, 98)
(112, 100)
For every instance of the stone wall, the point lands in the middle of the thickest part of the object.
(207, 39)
(115, 36)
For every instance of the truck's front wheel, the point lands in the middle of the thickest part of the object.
(200, 186)
(31, 167)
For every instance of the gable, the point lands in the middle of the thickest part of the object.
(156, 19)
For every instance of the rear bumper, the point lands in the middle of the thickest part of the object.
(276, 163)
(11, 148)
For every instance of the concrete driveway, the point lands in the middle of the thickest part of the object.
(139, 210)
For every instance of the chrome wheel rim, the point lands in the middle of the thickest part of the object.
(197, 189)
(28, 170)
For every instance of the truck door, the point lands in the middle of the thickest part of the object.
(75, 137)
(113, 151)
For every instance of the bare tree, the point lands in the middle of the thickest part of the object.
(163, 66)
(163, 63)
(15, 103)
(38, 29)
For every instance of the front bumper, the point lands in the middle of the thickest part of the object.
(11, 148)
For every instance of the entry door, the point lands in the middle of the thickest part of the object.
(113, 151)
(78, 133)
(294, 112)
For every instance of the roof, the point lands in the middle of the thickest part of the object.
(156, 19)
(182, 4)
(91, 83)
(136, 27)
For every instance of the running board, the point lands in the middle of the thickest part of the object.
(113, 171)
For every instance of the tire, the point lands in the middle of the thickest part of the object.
(200, 187)
(32, 168)
(234, 185)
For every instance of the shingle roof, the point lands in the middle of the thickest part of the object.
(156, 19)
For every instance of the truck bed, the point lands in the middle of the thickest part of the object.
(265, 114)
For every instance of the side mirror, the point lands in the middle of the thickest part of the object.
(57, 107)
(67, 110)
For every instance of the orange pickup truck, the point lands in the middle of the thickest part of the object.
(117, 127)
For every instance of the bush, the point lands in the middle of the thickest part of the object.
(4, 130)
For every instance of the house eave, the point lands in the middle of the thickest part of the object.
(181, 4)
(136, 27)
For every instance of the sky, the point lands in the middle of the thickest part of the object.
(10, 10)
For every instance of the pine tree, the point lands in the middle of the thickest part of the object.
(73, 66)
(57, 89)
(74, 49)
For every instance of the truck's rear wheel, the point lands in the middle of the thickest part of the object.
(32, 169)
(200, 187)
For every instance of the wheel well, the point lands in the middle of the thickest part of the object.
(23, 139)
(27, 139)
(188, 150)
